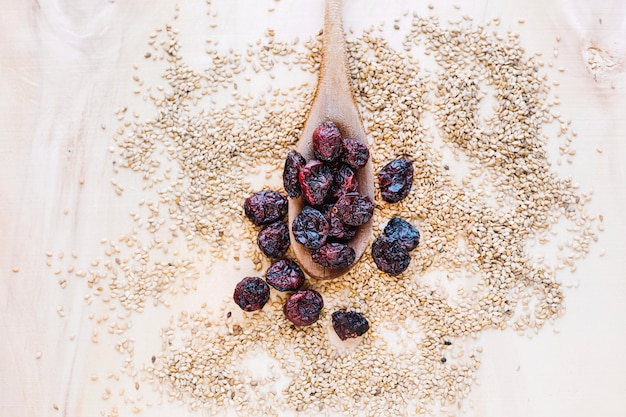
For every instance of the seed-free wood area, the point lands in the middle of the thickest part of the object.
(100, 265)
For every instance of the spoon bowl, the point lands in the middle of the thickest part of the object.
(333, 101)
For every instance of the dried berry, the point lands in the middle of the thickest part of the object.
(354, 209)
(293, 163)
(273, 240)
(395, 180)
(355, 153)
(265, 207)
(310, 228)
(304, 307)
(390, 256)
(349, 324)
(315, 180)
(402, 231)
(285, 275)
(337, 229)
(251, 293)
(344, 181)
(327, 142)
(334, 256)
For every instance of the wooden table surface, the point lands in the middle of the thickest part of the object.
(67, 66)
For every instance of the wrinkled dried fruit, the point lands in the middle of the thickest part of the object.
(310, 228)
(349, 324)
(355, 153)
(395, 180)
(251, 293)
(265, 207)
(334, 256)
(293, 163)
(402, 231)
(304, 307)
(315, 180)
(336, 228)
(285, 275)
(273, 240)
(344, 182)
(354, 209)
(390, 256)
(327, 142)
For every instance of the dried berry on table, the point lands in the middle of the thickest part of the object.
(390, 256)
(251, 293)
(344, 181)
(304, 307)
(354, 209)
(395, 180)
(265, 207)
(310, 228)
(285, 275)
(327, 142)
(349, 324)
(337, 229)
(315, 180)
(293, 163)
(334, 255)
(355, 154)
(402, 231)
(273, 239)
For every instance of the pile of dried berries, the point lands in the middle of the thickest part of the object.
(303, 307)
(328, 184)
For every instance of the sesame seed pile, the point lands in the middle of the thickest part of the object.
(484, 196)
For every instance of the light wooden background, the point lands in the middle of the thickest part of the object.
(66, 65)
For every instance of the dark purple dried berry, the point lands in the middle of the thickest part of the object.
(336, 228)
(304, 307)
(334, 256)
(327, 142)
(273, 240)
(251, 293)
(315, 180)
(285, 275)
(349, 324)
(355, 153)
(390, 256)
(310, 228)
(395, 180)
(402, 231)
(265, 207)
(293, 163)
(344, 182)
(354, 209)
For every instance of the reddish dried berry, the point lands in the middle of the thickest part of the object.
(334, 256)
(273, 240)
(354, 209)
(251, 293)
(310, 228)
(336, 228)
(315, 180)
(395, 180)
(403, 232)
(390, 256)
(327, 142)
(344, 181)
(285, 275)
(293, 163)
(355, 153)
(304, 307)
(265, 207)
(349, 324)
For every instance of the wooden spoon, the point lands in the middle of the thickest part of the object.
(333, 101)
